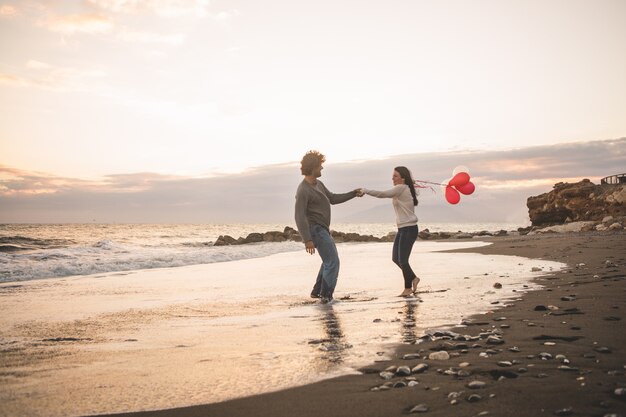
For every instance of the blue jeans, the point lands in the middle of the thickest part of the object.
(402, 246)
(329, 271)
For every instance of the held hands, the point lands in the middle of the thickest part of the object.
(359, 192)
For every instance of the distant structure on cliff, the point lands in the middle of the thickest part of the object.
(614, 179)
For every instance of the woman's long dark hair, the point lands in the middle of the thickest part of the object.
(406, 176)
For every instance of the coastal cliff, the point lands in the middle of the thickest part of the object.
(604, 205)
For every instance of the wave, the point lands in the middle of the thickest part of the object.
(107, 256)
(23, 243)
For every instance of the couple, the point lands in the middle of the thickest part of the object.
(312, 215)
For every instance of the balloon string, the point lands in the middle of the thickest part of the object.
(427, 182)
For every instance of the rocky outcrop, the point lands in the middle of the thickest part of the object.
(290, 233)
(583, 201)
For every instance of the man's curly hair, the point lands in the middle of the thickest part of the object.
(310, 161)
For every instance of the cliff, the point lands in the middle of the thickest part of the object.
(578, 202)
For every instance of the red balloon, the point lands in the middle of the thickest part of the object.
(460, 179)
(452, 195)
(466, 189)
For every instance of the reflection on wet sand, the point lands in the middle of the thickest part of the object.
(333, 345)
(408, 323)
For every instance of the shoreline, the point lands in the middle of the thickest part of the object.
(578, 314)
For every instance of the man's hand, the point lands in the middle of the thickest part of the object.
(359, 192)
(310, 246)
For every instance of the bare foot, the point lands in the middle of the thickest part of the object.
(416, 281)
(406, 293)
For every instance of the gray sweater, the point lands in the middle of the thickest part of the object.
(313, 206)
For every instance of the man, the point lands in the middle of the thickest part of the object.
(312, 215)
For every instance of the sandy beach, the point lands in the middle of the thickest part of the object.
(560, 350)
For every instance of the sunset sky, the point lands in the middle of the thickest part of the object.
(92, 90)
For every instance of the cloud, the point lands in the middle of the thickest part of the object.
(504, 181)
(78, 23)
(6, 10)
(163, 8)
(147, 37)
(52, 77)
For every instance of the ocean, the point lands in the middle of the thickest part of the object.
(36, 251)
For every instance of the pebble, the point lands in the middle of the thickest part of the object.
(413, 383)
(473, 398)
(545, 356)
(505, 363)
(411, 356)
(419, 368)
(567, 368)
(514, 349)
(464, 364)
(549, 344)
(620, 392)
(400, 384)
(602, 349)
(476, 385)
(442, 355)
(403, 371)
(564, 411)
(541, 307)
(493, 340)
(542, 375)
(386, 375)
(420, 408)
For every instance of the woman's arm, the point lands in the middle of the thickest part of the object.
(392, 192)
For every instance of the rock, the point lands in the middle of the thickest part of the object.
(497, 285)
(541, 308)
(474, 398)
(403, 371)
(386, 375)
(420, 368)
(476, 385)
(574, 202)
(411, 356)
(420, 408)
(616, 226)
(602, 349)
(564, 412)
(620, 392)
(505, 363)
(400, 384)
(442, 355)
(494, 340)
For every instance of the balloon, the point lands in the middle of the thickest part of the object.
(452, 195)
(460, 168)
(460, 179)
(466, 189)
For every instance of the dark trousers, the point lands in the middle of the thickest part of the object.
(402, 246)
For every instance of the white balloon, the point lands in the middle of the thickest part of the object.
(460, 168)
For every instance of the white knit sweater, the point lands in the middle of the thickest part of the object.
(402, 203)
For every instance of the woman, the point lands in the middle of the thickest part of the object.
(404, 200)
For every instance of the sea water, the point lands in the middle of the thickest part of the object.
(169, 337)
(34, 251)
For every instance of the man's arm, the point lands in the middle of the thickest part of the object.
(302, 223)
(339, 198)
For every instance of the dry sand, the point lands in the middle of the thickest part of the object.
(579, 314)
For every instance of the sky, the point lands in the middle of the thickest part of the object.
(109, 104)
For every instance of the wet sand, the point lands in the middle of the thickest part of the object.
(560, 350)
(174, 337)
